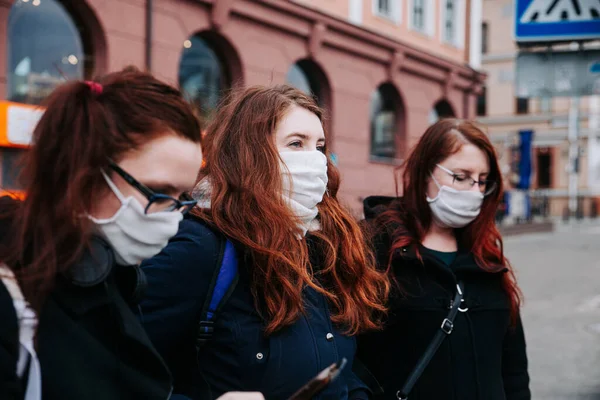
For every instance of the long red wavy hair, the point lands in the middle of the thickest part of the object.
(411, 216)
(243, 166)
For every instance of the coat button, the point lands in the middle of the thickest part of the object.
(329, 337)
(259, 356)
(404, 249)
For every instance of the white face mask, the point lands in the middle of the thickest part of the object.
(304, 175)
(134, 235)
(455, 208)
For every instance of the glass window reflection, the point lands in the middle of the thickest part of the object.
(44, 49)
(297, 78)
(384, 124)
(441, 110)
(202, 75)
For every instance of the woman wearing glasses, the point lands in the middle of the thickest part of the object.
(109, 162)
(454, 329)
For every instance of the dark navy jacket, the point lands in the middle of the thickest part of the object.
(239, 357)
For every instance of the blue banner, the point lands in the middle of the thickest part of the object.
(525, 167)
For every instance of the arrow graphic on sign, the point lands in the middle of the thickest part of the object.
(546, 11)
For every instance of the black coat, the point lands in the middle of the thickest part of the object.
(11, 386)
(90, 345)
(483, 359)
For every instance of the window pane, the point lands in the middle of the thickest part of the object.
(419, 14)
(383, 134)
(383, 123)
(484, 38)
(384, 7)
(546, 104)
(44, 48)
(201, 75)
(10, 168)
(433, 116)
(522, 105)
(544, 168)
(300, 77)
(482, 103)
(442, 109)
(297, 78)
(449, 21)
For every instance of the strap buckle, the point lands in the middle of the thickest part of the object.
(399, 396)
(463, 310)
(447, 326)
(205, 332)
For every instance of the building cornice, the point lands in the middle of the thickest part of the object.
(367, 44)
(498, 57)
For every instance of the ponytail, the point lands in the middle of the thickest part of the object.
(84, 124)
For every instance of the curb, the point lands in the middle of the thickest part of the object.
(522, 229)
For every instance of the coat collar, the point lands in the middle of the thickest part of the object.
(464, 263)
(84, 301)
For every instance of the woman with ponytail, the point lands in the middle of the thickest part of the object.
(306, 281)
(454, 329)
(104, 178)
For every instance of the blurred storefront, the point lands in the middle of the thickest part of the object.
(383, 70)
(507, 115)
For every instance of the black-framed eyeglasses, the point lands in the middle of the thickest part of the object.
(157, 202)
(465, 182)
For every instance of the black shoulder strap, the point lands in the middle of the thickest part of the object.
(445, 330)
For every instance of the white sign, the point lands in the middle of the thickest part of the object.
(21, 121)
(559, 73)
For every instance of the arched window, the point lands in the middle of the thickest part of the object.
(44, 49)
(203, 75)
(298, 78)
(307, 76)
(441, 110)
(387, 120)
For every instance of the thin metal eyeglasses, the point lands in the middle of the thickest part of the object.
(465, 182)
(156, 201)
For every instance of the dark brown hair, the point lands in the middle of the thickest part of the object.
(412, 216)
(83, 125)
(243, 165)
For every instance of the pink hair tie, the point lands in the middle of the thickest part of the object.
(95, 87)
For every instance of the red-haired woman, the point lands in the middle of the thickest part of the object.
(104, 176)
(439, 237)
(306, 279)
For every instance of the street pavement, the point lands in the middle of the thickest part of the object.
(559, 274)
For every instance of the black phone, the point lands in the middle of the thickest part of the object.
(319, 382)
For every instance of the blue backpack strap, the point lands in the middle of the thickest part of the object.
(221, 286)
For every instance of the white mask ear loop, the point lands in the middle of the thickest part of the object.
(439, 189)
(113, 187)
(435, 181)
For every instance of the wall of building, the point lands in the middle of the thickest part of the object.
(400, 28)
(260, 41)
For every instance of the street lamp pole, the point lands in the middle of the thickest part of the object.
(573, 166)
